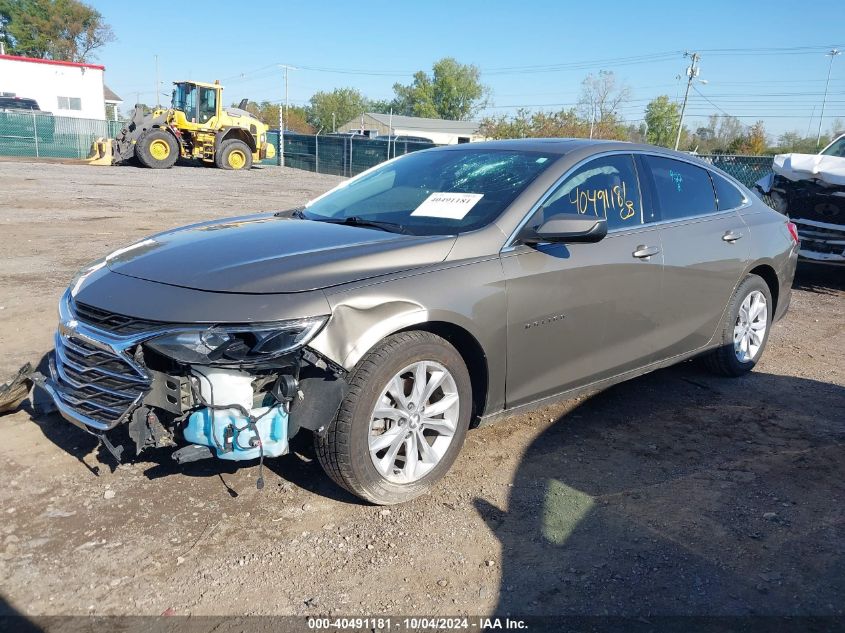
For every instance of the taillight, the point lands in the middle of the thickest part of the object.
(793, 231)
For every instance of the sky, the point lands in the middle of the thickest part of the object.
(760, 60)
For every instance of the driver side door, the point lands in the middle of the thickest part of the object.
(578, 313)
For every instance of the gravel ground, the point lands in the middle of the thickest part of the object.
(675, 493)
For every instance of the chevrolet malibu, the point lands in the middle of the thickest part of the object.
(445, 288)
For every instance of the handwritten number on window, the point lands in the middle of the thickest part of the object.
(677, 178)
(613, 199)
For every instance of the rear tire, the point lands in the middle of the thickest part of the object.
(745, 331)
(234, 154)
(157, 149)
(374, 447)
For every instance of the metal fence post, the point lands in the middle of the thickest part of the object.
(350, 155)
(35, 132)
(317, 153)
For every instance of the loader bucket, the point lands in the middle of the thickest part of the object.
(101, 152)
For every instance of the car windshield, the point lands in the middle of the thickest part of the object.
(435, 192)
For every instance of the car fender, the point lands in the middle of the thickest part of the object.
(470, 297)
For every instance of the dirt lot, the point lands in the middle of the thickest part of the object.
(676, 493)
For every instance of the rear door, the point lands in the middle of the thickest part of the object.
(706, 247)
(581, 312)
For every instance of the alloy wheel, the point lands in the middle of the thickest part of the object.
(413, 422)
(750, 327)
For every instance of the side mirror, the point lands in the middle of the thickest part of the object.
(564, 228)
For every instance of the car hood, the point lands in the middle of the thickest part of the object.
(267, 254)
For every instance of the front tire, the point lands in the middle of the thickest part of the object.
(745, 331)
(403, 421)
(234, 154)
(157, 149)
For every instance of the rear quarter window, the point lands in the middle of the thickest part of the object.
(681, 189)
(728, 196)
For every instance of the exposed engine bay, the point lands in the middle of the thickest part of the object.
(235, 392)
(810, 189)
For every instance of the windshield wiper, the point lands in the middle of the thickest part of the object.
(355, 220)
(296, 212)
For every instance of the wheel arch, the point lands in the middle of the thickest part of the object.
(227, 134)
(768, 274)
(356, 328)
(470, 350)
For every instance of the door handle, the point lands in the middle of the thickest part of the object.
(731, 236)
(644, 252)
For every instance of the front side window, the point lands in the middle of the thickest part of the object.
(606, 187)
(837, 148)
(682, 190)
(727, 195)
(208, 104)
(435, 192)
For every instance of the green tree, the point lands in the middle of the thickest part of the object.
(345, 104)
(524, 124)
(662, 117)
(382, 106)
(268, 112)
(67, 30)
(452, 91)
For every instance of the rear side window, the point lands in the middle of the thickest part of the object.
(604, 187)
(682, 190)
(727, 195)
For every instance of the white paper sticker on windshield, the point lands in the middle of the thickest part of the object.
(453, 206)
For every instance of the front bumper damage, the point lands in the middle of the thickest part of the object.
(818, 210)
(106, 380)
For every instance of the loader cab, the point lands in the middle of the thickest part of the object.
(197, 101)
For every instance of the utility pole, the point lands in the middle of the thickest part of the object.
(282, 117)
(692, 73)
(158, 87)
(833, 53)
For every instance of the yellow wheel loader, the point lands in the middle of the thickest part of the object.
(195, 126)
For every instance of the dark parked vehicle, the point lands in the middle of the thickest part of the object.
(22, 118)
(450, 285)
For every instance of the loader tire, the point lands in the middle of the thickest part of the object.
(157, 149)
(234, 154)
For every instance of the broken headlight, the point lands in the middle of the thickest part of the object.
(237, 344)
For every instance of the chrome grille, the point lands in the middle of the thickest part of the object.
(111, 322)
(99, 384)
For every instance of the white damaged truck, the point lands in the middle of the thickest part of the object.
(810, 189)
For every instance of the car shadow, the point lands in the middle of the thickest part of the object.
(680, 493)
(819, 278)
(13, 620)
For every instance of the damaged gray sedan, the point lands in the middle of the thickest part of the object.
(447, 287)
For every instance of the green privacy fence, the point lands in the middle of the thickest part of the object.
(42, 135)
(337, 154)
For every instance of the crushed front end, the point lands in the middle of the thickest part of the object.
(235, 392)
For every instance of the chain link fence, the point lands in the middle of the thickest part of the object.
(746, 169)
(39, 135)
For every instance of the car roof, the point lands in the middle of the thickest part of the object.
(562, 146)
(547, 145)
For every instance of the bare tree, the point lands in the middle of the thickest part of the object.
(601, 97)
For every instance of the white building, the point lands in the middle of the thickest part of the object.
(439, 131)
(66, 89)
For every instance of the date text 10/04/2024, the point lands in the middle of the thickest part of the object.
(387, 623)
